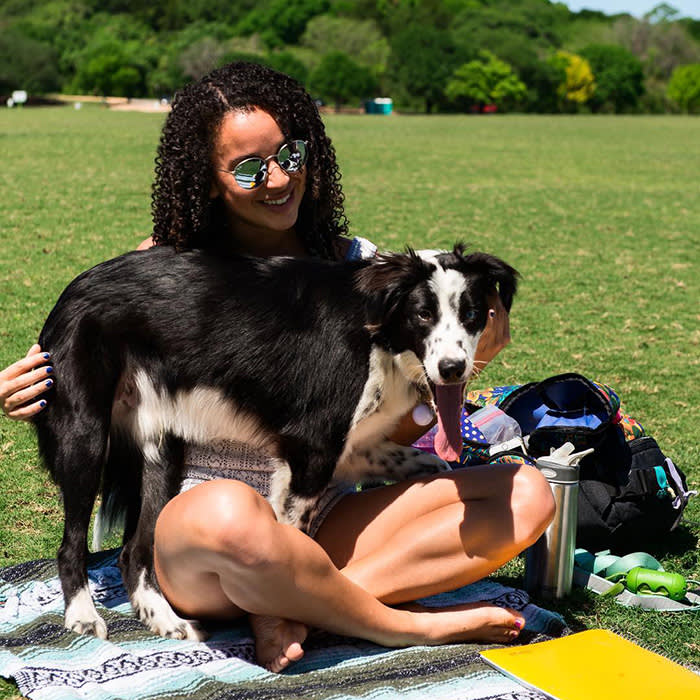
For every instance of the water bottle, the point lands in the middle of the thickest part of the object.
(549, 562)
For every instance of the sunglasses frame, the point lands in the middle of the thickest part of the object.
(263, 164)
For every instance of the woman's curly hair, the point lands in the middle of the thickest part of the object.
(183, 213)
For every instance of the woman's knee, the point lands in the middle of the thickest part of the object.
(532, 503)
(231, 521)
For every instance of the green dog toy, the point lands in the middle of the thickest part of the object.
(650, 582)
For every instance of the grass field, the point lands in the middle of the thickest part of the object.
(601, 215)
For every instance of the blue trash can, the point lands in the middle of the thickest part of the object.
(379, 105)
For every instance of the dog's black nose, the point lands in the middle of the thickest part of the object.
(452, 370)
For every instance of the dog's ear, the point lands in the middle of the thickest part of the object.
(386, 281)
(498, 272)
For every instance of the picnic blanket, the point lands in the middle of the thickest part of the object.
(50, 663)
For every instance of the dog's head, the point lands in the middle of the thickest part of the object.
(436, 304)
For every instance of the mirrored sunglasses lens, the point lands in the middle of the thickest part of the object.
(292, 156)
(250, 173)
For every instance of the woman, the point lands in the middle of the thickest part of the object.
(244, 165)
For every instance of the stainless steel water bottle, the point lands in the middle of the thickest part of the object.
(549, 563)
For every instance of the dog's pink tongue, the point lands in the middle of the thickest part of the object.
(448, 440)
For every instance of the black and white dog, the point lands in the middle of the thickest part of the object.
(314, 362)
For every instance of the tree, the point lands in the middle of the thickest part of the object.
(579, 85)
(684, 87)
(281, 22)
(26, 64)
(488, 80)
(183, 54)
(339, 79)
(422, 60)
(201, 57)
(110, 70)
(662, 13)
(661, 46)
(619, 77)
(286, 62)
(110, 44)
(485, 25)
(362, 40)
(542, 78)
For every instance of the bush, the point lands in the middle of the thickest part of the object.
(684, 87)
(486, 81)
(579, 84)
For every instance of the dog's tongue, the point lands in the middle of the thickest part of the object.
(448, 440)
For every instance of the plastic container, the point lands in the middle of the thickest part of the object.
(495, 425)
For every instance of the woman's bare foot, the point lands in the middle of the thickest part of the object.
(277, 641)
(471, 622)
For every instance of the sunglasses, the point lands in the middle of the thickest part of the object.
(252, 172)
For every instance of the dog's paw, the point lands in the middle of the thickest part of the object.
(155, 612)
(82, 617)
(429, 463)
(170, 625)
(97, 628)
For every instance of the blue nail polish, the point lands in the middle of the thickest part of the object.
(42, 403)
(49, 370)
(49, 382)
(46, 356)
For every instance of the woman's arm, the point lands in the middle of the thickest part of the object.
(496, 335)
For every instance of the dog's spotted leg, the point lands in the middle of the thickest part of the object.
(393, 462)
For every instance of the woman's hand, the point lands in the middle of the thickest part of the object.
(22, 382)
(496, 335)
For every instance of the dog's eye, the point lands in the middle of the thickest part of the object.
(468, 315)
(425, 315)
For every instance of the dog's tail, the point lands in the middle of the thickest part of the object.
(107, 523)
(121, 487)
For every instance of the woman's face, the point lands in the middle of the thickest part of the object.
(261, 218)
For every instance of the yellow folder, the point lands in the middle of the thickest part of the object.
(595, 665)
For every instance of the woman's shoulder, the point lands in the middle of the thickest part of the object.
(145, 245)
(356, 248)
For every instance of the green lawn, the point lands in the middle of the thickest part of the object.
(601, 216)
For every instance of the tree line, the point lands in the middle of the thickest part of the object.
(428, 55)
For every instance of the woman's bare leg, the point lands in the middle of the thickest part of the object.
(430, 535)
(219, 552)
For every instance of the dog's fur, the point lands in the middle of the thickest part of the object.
(313, 362)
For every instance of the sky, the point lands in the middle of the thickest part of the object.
(636, 8)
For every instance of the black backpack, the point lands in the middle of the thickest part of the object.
(629, 491)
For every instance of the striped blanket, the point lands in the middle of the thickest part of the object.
(49, 663)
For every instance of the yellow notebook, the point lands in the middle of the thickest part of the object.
(595, 665)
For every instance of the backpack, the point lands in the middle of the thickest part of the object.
(629, 491)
